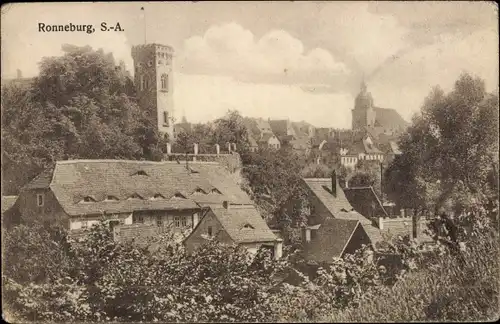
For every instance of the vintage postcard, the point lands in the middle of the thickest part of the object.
(255, 161)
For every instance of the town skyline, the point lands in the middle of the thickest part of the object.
(267, 65)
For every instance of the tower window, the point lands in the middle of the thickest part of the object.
(164, 82)
(165, 118)
(142, 82)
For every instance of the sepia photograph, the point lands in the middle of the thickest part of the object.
(253, 161)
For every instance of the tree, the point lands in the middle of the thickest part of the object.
(80, 106)
(444, 155)
(231, 129)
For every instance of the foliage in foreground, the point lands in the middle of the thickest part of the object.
(101, 279)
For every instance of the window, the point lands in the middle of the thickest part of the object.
(164, 82)
(199, 191)
(165, 118)
(142, 82)
(159, 220)
(135, 196)
(150, 63)
(177, 221)
(138, 219)
(209, 230)
(88, 199)
(184, 221)
(39, 200)
(179, 195)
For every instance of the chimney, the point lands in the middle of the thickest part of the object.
(195, 151)
(234, 147)
(217, 148)
(225, 204)
(195, 219)
(169, 148)
(19, 74)
(229, 147)
(381, 223)
(306, 232)
(402, 213)
(334, 183)
(278, 249)
(415, 225)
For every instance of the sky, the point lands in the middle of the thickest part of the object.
(296, 60)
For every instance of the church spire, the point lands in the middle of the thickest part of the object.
(363, 84)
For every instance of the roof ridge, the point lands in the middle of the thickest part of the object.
(129, 161)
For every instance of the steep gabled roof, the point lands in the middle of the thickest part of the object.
(339, 207)
(41, 181)
(358, 196)
(281, 127)
(244, 224)
(330, 240)
(266, 137)
(8, 202)
(389, 118)
(73, 180)
(322, 189)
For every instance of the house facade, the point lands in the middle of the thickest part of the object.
(234, 224)
(143, 198)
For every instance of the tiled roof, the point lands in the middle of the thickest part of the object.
(252, 141)
(322, 188)
(265, 137)
(388, 118)
(330, 239)
(244, 224)
(8, 202)
(41, 181)
(301, 143)
(74, 180)
(339, 207)
(281, 127)
(358, 196)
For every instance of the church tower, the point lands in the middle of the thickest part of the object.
(154, 84)
(363, 113)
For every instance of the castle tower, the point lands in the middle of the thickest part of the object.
(153, 80)
(363, 113)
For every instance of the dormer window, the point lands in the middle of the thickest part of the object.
(135, 196)
(248, 226)
(140, 172)
(199, 191)
(88, 199)
(215, 191)
(111, 198)
(178, 195)
(158, 196)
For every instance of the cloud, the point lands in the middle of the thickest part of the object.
(229, 49)
(205, 97)
(405, 83)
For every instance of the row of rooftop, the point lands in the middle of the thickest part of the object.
(203, 199)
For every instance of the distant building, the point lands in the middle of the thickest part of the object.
(365, 114)
(268, 140)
